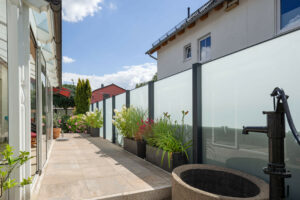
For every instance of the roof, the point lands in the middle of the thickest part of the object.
(109, 86)
(187, 22)
(111, 90)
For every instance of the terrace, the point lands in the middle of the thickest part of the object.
(93, 168)
(99, 167)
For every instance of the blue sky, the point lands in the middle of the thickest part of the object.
(106, 40)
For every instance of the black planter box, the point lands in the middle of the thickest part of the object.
(136, 147)
(95, 132)
(154, 156)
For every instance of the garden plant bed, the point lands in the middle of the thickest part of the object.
(136, 147)
(154, 156)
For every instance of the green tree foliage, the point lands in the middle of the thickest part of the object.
(83, 96)
(61, 101)
(154, 78)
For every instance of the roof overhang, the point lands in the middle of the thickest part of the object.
(186, 23)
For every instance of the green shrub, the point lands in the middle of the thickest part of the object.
(64, 121)
(77, 124)
(94, 119)
(9, 163)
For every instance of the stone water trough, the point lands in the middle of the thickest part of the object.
(208, 182)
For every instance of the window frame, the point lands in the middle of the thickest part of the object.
(278, 20)
(199, 47)
(185, 58)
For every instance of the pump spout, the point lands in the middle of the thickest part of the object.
(259, 129)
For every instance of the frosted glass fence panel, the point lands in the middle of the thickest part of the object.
(139, 97)
(108, 115)
(235, 91)
(173, 95)
(120, 101)
(101, 109)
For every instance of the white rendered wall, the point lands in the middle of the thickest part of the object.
(249, 23)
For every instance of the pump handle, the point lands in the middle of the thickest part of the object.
(280, 95)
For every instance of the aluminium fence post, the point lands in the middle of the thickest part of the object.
(104, 118)
(113, 114)
(197, 113)
(127, 98)
(151, 100)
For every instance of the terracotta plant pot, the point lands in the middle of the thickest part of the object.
(56, 132)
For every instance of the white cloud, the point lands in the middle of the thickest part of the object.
(68, 60)
(112, 6)
(77, 10)
(127, 78)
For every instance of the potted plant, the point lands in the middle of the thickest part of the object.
(166, 146)
(8, 164)
(128, 122)
(94, 121)
(56, 126)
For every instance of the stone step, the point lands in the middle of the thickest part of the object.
(159, 193)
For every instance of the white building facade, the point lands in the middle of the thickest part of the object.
(30, 65)
(222, 27)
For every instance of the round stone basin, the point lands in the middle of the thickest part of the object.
(199, 181)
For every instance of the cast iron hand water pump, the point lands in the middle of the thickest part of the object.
(275, 131)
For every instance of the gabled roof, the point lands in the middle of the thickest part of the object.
(109, 86)
(187, 22)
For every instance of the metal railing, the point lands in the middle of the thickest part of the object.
(185, 22)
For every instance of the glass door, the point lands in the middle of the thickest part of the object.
(33, 102)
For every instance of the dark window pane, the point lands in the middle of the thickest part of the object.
(290, 13)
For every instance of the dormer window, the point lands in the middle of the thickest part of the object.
(187, 52)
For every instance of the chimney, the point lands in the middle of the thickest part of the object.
(102, 85)
(188, 12)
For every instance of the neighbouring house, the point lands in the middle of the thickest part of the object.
(30, 65)
(221, 27)
(104, 92)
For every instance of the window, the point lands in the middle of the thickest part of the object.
(289, 14)
(204, 46)
(187, 52)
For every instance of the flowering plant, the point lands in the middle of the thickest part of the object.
(77, 124)
(94, 119)
(127, 121)
(169, 136)
(56, 121)
(145, 129)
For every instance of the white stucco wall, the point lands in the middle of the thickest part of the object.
(249, 23)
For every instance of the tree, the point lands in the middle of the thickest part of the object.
(154, 78)
(83, 96)
(64, 102)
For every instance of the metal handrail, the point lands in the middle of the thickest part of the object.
(280, 95)
(184, 22)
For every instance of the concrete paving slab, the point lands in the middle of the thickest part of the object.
(93, 168)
